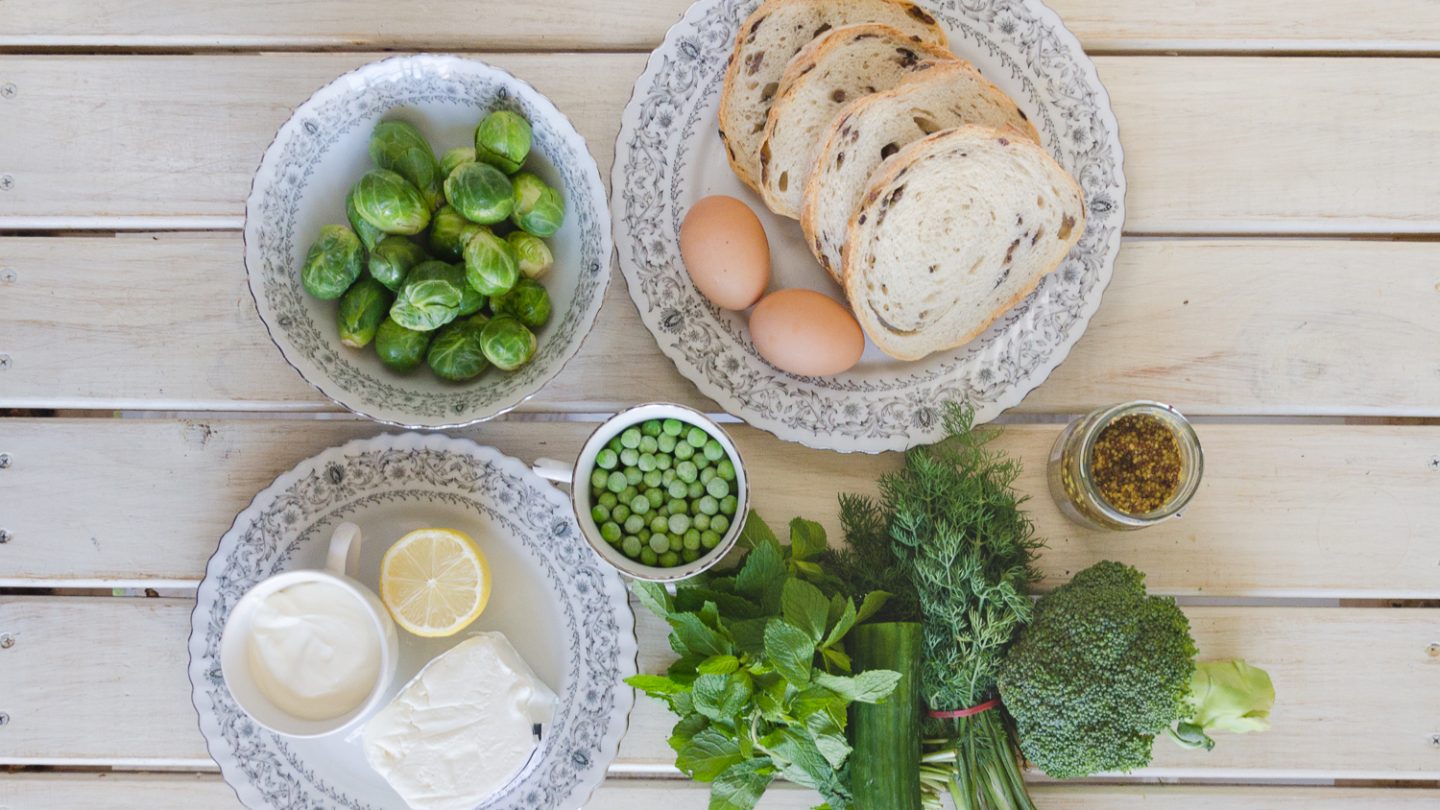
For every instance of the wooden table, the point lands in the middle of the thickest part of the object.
(1280, 282)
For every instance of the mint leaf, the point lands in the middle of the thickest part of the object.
(749, 636)
(708, 754)
(691, 636)
(718, 665)
(653, 596)
(732, 607)
(842, 624)
(798, 757)
(710, 615)
(829, 738)
(821, 702)
(762, 575)
(871, 605)
(740, 786)
(807, 539)
(656, 686)
(836, 658)
(722, 697)
(686, 729)
(870, 686)
(790, 650)
(804, 606)
(755, 532)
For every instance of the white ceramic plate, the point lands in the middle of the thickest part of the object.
(564, 610)
(669, 155)
(302, 183)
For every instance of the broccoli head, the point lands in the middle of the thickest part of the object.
(1100, 670)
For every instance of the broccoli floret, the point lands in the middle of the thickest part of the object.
(1101, 669)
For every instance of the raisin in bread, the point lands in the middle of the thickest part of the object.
(870, 129)
(769, 38)
(954, 230)
(839, 66)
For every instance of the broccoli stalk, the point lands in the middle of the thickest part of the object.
(1228, 696)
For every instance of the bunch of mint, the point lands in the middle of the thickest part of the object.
(762, 683)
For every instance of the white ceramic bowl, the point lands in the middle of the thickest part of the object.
(578, 476)
(301, 185)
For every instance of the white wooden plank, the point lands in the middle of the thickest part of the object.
(1214, 326)
(1328, 511)
(1386, 25)
(115, 791)
(1356, 690)
(1212, 144)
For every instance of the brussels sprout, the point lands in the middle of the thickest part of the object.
(531, 254)
(362, 308)
(449, 231)
(539, 209)
(370, 235)
(399, 147)
(400, 348)
(490, 264)
(335, 260)
(526, 302)
(503, 140)
(428, 300)
(455, 353)
(507, 342)
(392, 259)
(388, 201)
(480, 192)
(471, 301)
(455, 158)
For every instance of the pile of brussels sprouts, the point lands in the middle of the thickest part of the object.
(442, 259)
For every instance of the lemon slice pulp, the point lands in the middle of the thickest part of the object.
(435, 582)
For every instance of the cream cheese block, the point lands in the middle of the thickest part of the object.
(463, 728)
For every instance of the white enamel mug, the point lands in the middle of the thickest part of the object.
(578, 477)
(340, 562)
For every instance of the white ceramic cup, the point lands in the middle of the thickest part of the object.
(234, 642)
(578, 477)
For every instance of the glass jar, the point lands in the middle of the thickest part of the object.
(1072, 480)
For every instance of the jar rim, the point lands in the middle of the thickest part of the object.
(1189, 448)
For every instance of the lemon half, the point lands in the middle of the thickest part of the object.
(435, 582)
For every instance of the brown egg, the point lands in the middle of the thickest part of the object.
(725, 251)
(807, 333)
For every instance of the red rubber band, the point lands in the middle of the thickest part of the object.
(976, 709)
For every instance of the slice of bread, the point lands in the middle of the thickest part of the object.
(868, 130)
(839, 66)
(769, 38)
(954, 230)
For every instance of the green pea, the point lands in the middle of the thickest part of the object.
(651, 427)
(666, 443)
(652, 479)
(728, 505)
(599, 514)
(678, 488)
(667, 477)
(717, 487)
(659, 524)
(686, 471)
(633, 476)
(606, 459)
(691, 540)
(614, 445)
(631, 546)
(697, 489)
(678, 507)
(643, 534)
(670, 559)
(607, 499)
(628, 493)
(630, 439)
(690, 555)
(663, 511)
(696, 438)
(700, 521)
(619, 512)
(707, 474)
(654, 497)
(672, 427)
(648, 444)
(719, 524)
(598, 479)
(676, 543)
(648, 556)
(710, 539)
(611, 532)
(709, 505)
(683, 451)
(659, 542)
(664, 462)
(640, 506)
(701, 462)
(646, 462)
(713, 450)
(629, 456)
(679, 524)
(615, 482)
(726, 469)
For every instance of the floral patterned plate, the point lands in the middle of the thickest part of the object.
(561, 606)
(668, 155)
(301, 185)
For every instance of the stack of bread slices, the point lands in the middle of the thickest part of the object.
(921, 187)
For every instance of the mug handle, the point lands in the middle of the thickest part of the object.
(344, 551)
(552, 470)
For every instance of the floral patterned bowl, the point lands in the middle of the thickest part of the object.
(301, 185)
